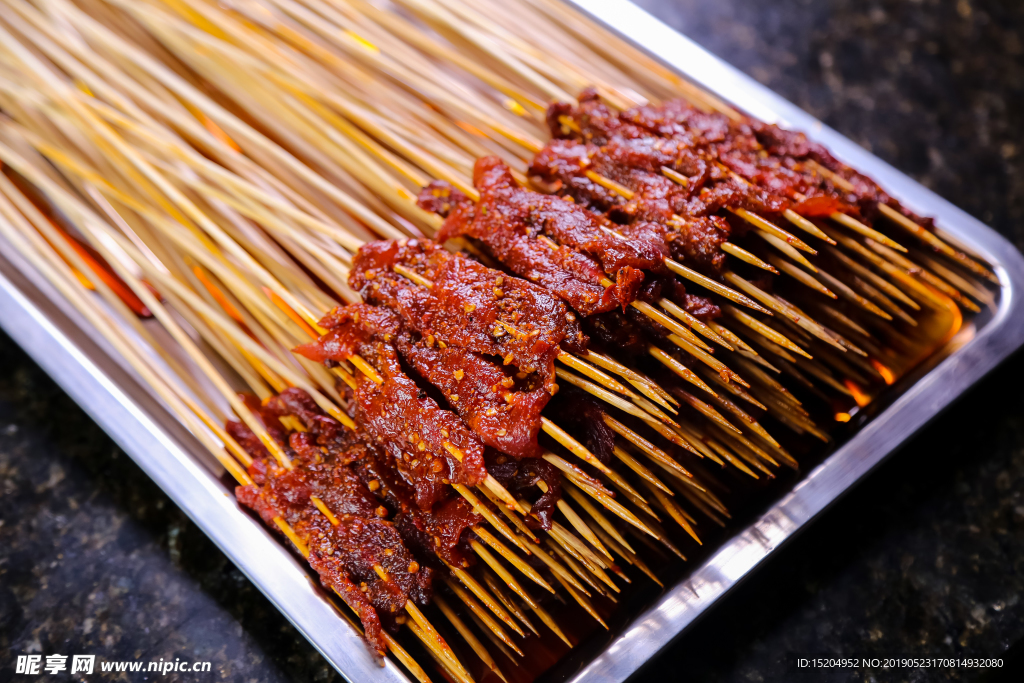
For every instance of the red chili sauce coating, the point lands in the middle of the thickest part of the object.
(424, 440)
(768, 156)
(572, 263)
(501, 407)
(468, 305)
(345, 554)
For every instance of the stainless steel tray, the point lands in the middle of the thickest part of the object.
(55, 336)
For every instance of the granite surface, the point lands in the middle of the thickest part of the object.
(926, 557)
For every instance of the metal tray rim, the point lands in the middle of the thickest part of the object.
(53, 336)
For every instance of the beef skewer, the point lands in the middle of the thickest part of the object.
(752, 152)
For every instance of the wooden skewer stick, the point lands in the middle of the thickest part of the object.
(484, 615)
(491, 518)
(630, 557)
(578, 523)
(861, 229)
(740, 346)
(575, 563)
(509, 580)
(509, 513)
(580, 598)
(885, 266)
(481, 593)
(848, 293)
(879, 289)
(706, 410)
(514, 560)
(786, 249)
(436, 654)
(183, 407)
(676, 512)
(633, 497)
(575, 473)
(765, 331)
(571, 444)
(608, 397)
(601, 520)
(510, 603)
(582, 553)
(642, 383)
(746, 419)
(666, 321)
(938, 275)
(745, 256)
(551, 624)
(805, 225)
(633, 464)
(773, 303)
(800, 276)
(468, 636)
(653, 452)
(770, 228)
(490, 483)
(694, 322)
(738, 392)
(557, 570)
(593, 373)
(907, 273)
(677, 367)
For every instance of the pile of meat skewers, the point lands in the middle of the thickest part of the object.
(457, 360)
(486, 411)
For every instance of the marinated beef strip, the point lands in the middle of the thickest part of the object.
(345, 554)
(383, 494)
(573, 277)
(632, 148)
(657, 204)
(793, 150)
(520, 477)
(770, 157)
(693, 134)
(502, 408)
(440, 533)
(572, 263)
(469, 305)
(425, 441)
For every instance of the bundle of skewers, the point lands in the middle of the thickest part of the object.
(472, 377)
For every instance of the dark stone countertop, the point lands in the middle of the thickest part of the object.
(926, 557)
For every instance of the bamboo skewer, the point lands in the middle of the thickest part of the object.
(468, 636)
(500, 591)
(484, 596)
